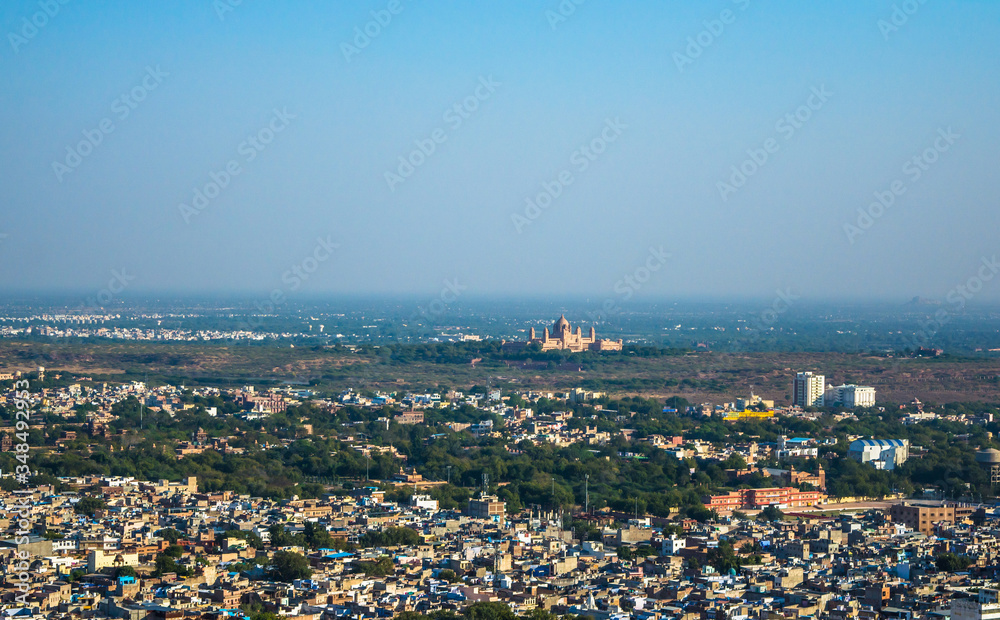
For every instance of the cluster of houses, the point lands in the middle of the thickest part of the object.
(871, 565)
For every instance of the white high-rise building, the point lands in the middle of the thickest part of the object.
(807, 390)
(849, 395)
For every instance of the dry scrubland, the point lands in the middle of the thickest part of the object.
(697, 377)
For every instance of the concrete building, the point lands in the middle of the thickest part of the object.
(165, 487)
(36, 546)
(850, 396)
(745, 403)
(487, 507)
(409, 417)
(424, 502)
(880, 453)
(673, 545)
(807, 390)
(921, 516)
(984, 606)
(98, 559)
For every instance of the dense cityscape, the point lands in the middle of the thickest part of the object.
(547, 310)
(135, 499)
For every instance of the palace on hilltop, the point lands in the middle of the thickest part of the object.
(564, 338)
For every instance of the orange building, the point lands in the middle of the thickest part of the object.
(755, 499)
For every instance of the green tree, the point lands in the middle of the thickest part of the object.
(280, 537)
(448, 575)
(317, 537)
(952, 563)
(289, 566)
(256, 611)
(89, 506)
(538, 613)
(391, 537)
(486, 610)
(167, 564)
(174, 551)
(735, 461)
(771, 513)
(383, 567)
(170, 535)
(723, 558)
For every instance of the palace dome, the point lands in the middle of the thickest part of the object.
(561, 324)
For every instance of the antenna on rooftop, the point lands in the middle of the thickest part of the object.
(486, 483)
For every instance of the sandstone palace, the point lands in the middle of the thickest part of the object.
(563, 338)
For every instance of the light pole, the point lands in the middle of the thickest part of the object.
(449, 474)
(586, 495)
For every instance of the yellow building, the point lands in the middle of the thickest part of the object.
(732, 416)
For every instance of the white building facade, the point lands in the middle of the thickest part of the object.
(880, 453)
(808, 389)
(850, 396)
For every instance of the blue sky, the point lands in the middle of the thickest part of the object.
(214, 81)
